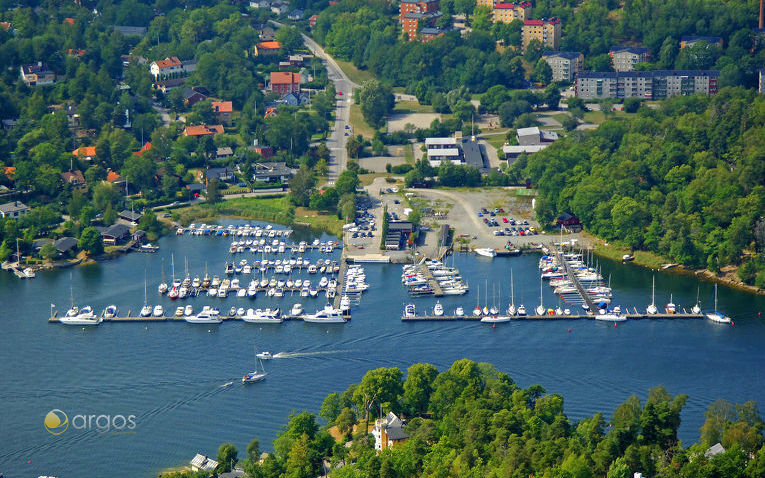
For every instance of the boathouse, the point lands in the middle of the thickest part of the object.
(569, 221)
(115, 234)
(398, 232)
(202, 463)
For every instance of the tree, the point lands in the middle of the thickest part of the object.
(324, 199)
(301, 185)
(227, 457)
(345, 421)
(91, 242)
(48, 251)
(253, 450)
(381, 385)
(418, 386)
(533, 51)
(330, 407)
(289, 38)
(542, 72)
(347, 182)
(376, 101)
(213, 191)
(631, 105)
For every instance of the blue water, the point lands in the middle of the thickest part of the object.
(169, 375)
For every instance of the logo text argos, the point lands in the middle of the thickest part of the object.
(57, 422)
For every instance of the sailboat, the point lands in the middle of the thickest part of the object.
(162, 288)
(174, 289)
(477, 310)
(486, 297)
(670, 308)
(716, 316)
(511, 308)
(651, 309)
(146, 310)
(257, 375)
(77, 316)
(696, 309)
(540, 310)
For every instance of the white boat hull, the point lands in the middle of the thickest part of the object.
(495, 320)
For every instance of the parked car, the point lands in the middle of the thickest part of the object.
(504, 219)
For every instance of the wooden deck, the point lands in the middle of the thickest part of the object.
(520, 318)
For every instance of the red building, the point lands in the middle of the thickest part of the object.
(284, 82)
(414, 12)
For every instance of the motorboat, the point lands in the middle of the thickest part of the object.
(179, 311)
(240, 311)
(438, 309)
(345, 303)
(459, 312)
(477, 311)
(83, 316)
(188, 310)
(146, 310)
(495, 319)
(265, 355)
(409, 310)
(486, 252)
(522, 310)
(257, 375)
(110, 311)
(207, 316)
(670, 308)
(327, 315)
(232, 312)
(162, 288)
(610, 316)
(261, 316)
(297, 309)
(716, 316)
(158, 311)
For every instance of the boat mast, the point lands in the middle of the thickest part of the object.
(512, 290)
(653, 289)
(172, 259)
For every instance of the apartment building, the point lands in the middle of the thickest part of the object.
(508, 12)
(624, 58)
(564, 64)
(650, 85)
(546, 31)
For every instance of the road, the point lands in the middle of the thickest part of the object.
(344, 87)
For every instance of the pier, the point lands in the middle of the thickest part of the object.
(340, 281)
(178, 318)
(432, 282)
(521, 318)
(573, 278)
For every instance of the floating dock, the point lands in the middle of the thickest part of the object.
(520, 318)
(175, 318)
(432, 282)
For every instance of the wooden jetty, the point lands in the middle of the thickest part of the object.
(520, 318)
(341, 281)
(432, 282)
(573, 278)
(176, 318)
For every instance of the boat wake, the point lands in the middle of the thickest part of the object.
(309, 354)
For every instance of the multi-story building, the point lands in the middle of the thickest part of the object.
(650, 85)
(508, 12)
(564, 64)
(284, 82)
(624, 58)
(546, 31)
(416, 12)
(484, 3)
(429, 33)
(171, 67)
(37, 74)
(686, 41)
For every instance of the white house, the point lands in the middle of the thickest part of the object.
(388, 432)
(443, 149)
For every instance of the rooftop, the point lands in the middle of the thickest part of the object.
(203, 129)
(14, 206)
(542, 21)
(222, 106)
(637, 50)
(284, 77)
(269, 45)
(505, 5)
(648, 74)
(169, 62)
(569, 55)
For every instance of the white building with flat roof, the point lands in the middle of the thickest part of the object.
(443, 149)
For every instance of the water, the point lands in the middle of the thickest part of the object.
(172, 376)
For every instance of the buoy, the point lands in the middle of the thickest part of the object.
(569, 331)
(732, 324)
(615, 325)
(759, 314)
(493, 326)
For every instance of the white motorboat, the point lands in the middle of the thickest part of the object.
(232, 312)
(146, 310)
(328, 315)
(158, 311)
(188, 310)
(260, 316)
(438, 309)
(610, 316)
(29, 273)
(495, 319)
(459, 312)
(716, 316)
(477, 311)
(110, 311)
(162, 288)
(345, 303)
(652, 309)
(313, 292)
(486, 252)
(204, 317)
(265, 355)
(522, 310)
(241, 293)
(409, 310)
(240, 311)
(179, 311)
(83, 316)
(296, 310)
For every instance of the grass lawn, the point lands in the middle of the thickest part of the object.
(274, 209)
(367, 179)
(560, 117)
(495, 140)
(319, 220)
(355, 75)
(359, 124)
(412, 107)
(643, 258)
(408, 154)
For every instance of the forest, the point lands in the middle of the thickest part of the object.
(685, 180)
(475, 421)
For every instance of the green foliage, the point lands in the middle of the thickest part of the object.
(213, 191)
(301, 186)
(48, 251)
(376, 101)
(227, 457)
(90, 241)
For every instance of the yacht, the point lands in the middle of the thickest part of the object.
(716, 316)
(188, 310)
(459, 312)
(696, 309)
(438, 309)
(477, 311)
(83, 316)
(179, 311)
(409, 310)
(511, 308)
(162, 288)
(652, 309)
(296, 310)
(328, 315)
(522, 310)
(265, 355)
(486, 252)
(207, 316)
(257, 375)
(610, 316)
(670, 308)
(495, 319)
(158, 311)
(146, 310)
(110, 312)
(260, 316)
(345, 303)
(240, 311)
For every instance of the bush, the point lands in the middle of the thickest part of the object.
(401, 169)
(631, 105)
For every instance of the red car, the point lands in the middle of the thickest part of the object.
(501, 210)
(504, 219)
(340, 93)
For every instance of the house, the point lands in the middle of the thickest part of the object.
(458, 151)
(296, 60)
(714, 450)
(546, 31)
(65, 244)
(202, 463)
(272, 172)
(130, 216)
(569, 221)
(223, 110)
(650, 85)
(265, 151)
(284, 82)
(686, 41)
(279, 8)
(295, 15)
(534, 135)
(5, 26)
(266, 32)
(509, 12)
(412, 13)
(294, 99)
(624, 58)
(13, 209)
(398, 232)
(203, 130)
(192, 97)
(312, 20)
(171, 67)
(169, 84)
(77, 53)
(75, 178)
(761, 80)
(224, 153)
(37, 74)
(146, 147)
(564, 64)
(88, 153)
(513, 152)
(267, 48)
(389, 432)
(115, 234)
(113, 177)
(131, 31)
(195, 188)
(429, 33)
(221, 174)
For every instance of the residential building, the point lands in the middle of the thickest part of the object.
(651, 85)
(429, 33)
(88, 153)
(75, 178)
(171, 67)
(146, 147)
(13, 209)
(295, 15)
(203, 130)
(534, 135)
(279, 8)
(264, 151)
(284, 82)
(202, 463)
(761, 80)
(714, 450)
(312, 20)
(267, 48)
(388, 432)
(221, 174)
(294, 99)
(65, 244)
(509, 12)
(192, 97)
(413, 13)
(169, 84)
(115, 234)
(37, 74)
(5, 26)
(686, 41)
(624, 58)
(223, 110)
(546, 31)
(130, 216)
(564, 64)
(569, 221)
(224, 152)
(272, 172)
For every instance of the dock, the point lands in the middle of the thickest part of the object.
(176, 318)
(521, 318)
(340, 281)
(573, 278)
(432, 282)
